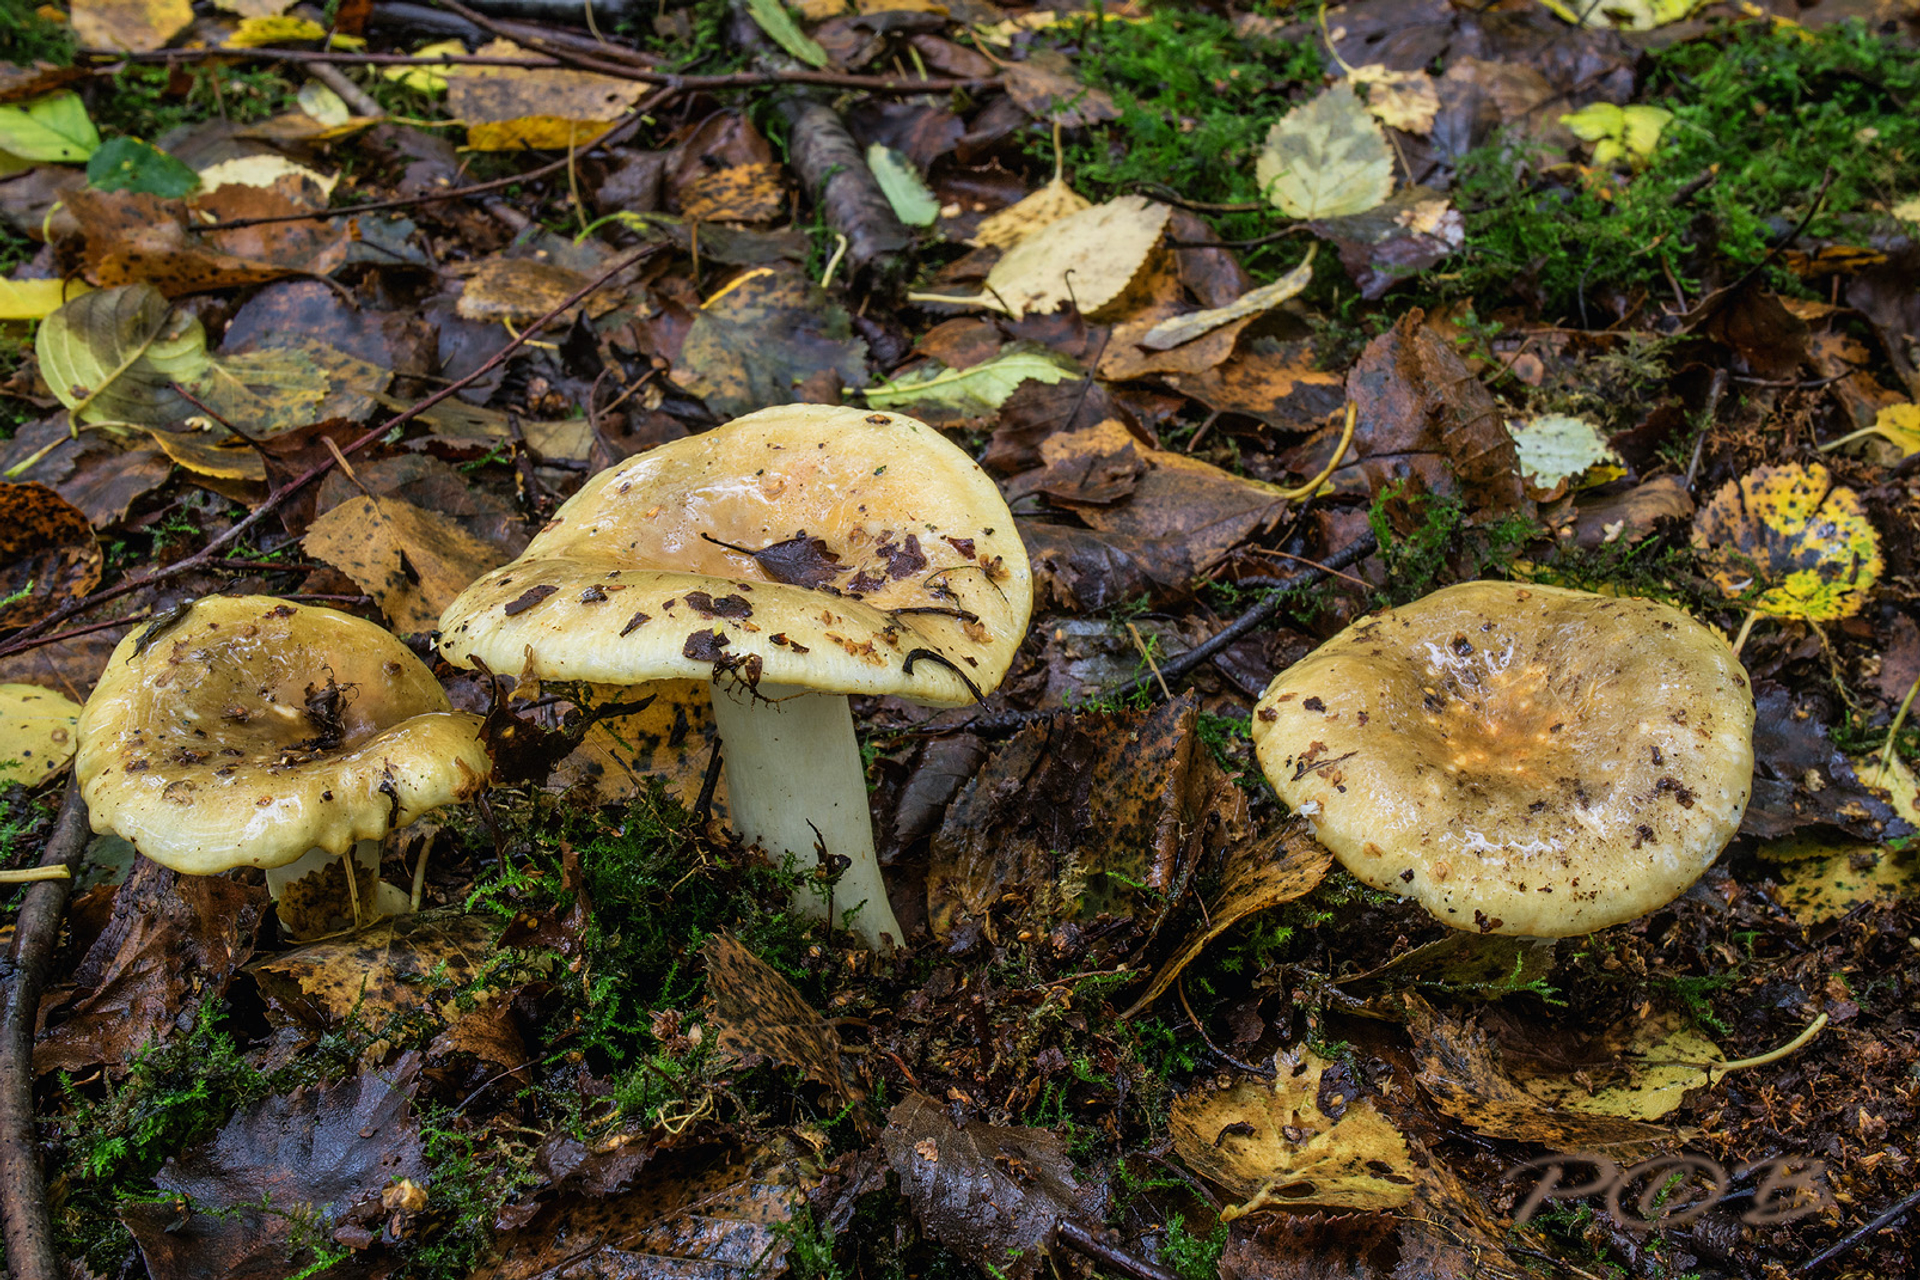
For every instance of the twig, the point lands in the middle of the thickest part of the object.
(1899, 1210)
(1112, 1257)
(23, 1186)
(31, 637)
(358, 100)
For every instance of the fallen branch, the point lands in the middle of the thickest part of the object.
(23, 1185)
(33, 636)
(836, 175)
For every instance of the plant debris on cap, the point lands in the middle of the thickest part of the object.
(248, 731)
(849, 551)
(1521, 759)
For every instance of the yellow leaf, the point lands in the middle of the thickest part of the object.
(1625, 15)
(1326, 158)
(34, 299)
(539, 133)
(426, 79)
(36, 733)
(257, 33)
(1792, 536)
(138, 26)
(1405, 100)
(1016, 222)
(1897, 423)
(1088, 258)
(1618, 133)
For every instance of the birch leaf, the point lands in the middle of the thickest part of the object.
(1088, 258)
(1326, 158)
(114, 355)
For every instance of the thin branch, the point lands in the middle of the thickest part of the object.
(34, 636)
(23, 1185)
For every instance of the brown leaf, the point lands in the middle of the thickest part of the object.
(671, 739)
(1423, 414)
(520, 289)
(1311, 1246)
(1801, 778)
(131, 238)
(280, 1177)
(413, 562)
(993, 1194)
(1045, 88)
(172, 942)
(1272, 381)
(1629, 517)
(759, 336)
(696, 1217)
(740, 193)
(754, 1015)
(48, 555)
(138, 26)
(1450, 1230)
(404, 964)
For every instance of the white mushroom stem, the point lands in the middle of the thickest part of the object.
(313, 861)
(794, 780)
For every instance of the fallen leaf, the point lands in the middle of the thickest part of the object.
(976, 391)
(1660, 1059)
(294, 383)
(133, 238)
(1185, 328)
(128, 164)
(737, 193)
(265, 171)
(1278, 383)
(36, 733)
(1803, 543)
(772, 17)
(515, 290)
(753, 1015)
(114, 356)
(1044, 87)
(671, 740)
(1260, 874)
(1412, 230)
(413, 562)
(1898, 424)
(1801, 778)
(404, 965)
(259, 32)
(1627, 15)
(281, 1178)
(1011, 225)
(138, 26)
(1619, 133)
(901, 183)
(1553, 447)
(994, 1194)
(424, 79)
(55, 128)
(1283, 1143)
(172, 942)
(1326, 158)
(1087, 258)
(35, 299)
(1474, 966)
(762, 335)
(1404, 100)
(48, 554)
(1823, 877)
(1631, 516)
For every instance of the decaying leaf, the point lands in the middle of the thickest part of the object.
(515, 290)
(132, 238)
(1477, 966)
(1284, 1143)
(670, 740)
(1181, 329)
(992, 1193)
(975, 391)
(754, 1015)
(412, 561)
(756, 341)
(1627, 15)
(1404, 100)
(1554, 448)
(1898, 424)
(48, 554)
(1823, 877)
(114, 355)
(1045, 88)
(1260, 874)
(265, 171)
(1017, 221)
(138, 26)
(1660, 1058)
(36, 733)
(513, 108)
(1326, 158)
(1789, 534)
(402, 965)
(1087, 258)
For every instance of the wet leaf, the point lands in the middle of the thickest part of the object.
(1044, 87)
(772, 17)
(1260, 874)
(738, 193)
(281, 1178)
(1477, 966)
(1627, 15)
(1326, 158)
(754, 1015)
(114, 355)
(671, 740)
(270, 390)
(1823, 877)
(55, 128)
(512, 108)
(259, 32)
(993, 1194)
(402, 965)
(1405, 100)
(132, 238)
(48, 554)
(36, 733)
(1017, 221)
(1412, 230)
(1554, 448)
(171, 942)
(1086, 258)
(1898, 424)
(1801, 778)
(138, 26)
(1789, 542)
(755, 341)
(976, 391)
(1283, 1143)
(912, 203)
(696, 1216)
(34, 299)
(128, 164)
(1660, 1058)
(412, 561)
(1185, 328)
(521, 289)
(1280, 384)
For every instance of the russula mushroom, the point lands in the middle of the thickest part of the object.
(250, 732)
(1521, 759)
(793, 557)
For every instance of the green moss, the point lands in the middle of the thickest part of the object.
(26, 37)
(145, 102)
(1193, 1257)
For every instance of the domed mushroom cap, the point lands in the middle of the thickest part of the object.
(1521, 759)
(832, 548)
(253, 730)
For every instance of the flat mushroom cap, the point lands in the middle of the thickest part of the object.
(216, 744)
(887, 563)
(1521, 759)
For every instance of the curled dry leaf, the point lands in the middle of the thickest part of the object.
(994, 1194)
(48, 554)
(36, 733)
(1284, 1143)
(1789, 534)
(1326, 158)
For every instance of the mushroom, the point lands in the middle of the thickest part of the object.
(793, 557)
(1521, 759)
(249, 732)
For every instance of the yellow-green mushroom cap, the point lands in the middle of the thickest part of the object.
(252, 730)
(843, 550)
(1520, 759)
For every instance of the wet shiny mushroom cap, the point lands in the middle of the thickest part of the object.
(838, 549)
(248, 731)
(1521, 759)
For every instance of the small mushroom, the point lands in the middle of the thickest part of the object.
(793, 557)
(250, 732)
(1521, 759)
